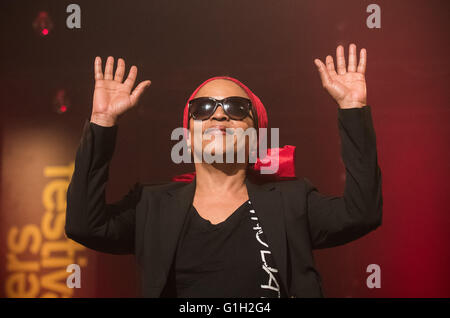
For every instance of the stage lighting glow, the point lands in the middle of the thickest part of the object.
(42, 24)
(61, 102)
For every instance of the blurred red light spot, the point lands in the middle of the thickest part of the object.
(63, 108)
(45, 31)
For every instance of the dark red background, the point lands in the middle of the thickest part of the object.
(270, 46)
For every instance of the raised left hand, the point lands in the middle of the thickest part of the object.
(348, 85)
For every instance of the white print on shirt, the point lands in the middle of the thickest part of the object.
(272, 283)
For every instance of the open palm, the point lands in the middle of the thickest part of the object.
(112, 97)
(348, 85)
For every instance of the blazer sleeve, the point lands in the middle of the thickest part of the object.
(108, 228)
(337, 220)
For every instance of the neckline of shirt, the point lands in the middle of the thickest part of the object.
(225, 222)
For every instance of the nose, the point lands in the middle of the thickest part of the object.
(219, 114)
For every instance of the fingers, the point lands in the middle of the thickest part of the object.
(137, 92)
(109, 68)
(353, 65)
(324, 76)
(120, 71)
(129, 82)
(362, 61)
(340, 60)
(98, 68)
(352, 58)
(330, 65)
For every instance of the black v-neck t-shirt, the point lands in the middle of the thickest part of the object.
(228, 259)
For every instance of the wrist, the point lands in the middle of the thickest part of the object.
(351, 104)
(104, 120)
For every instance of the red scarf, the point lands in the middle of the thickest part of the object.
(286, 155)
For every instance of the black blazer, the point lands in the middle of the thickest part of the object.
(295, 217)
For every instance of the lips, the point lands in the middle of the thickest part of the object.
(218, 130)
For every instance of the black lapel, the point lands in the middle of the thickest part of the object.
(266, 200)
(173, 213)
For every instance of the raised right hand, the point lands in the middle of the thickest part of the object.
(112, 98)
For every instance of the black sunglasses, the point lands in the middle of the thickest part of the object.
(235, 107)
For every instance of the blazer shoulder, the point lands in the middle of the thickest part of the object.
(290, 185)
(296, 190)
